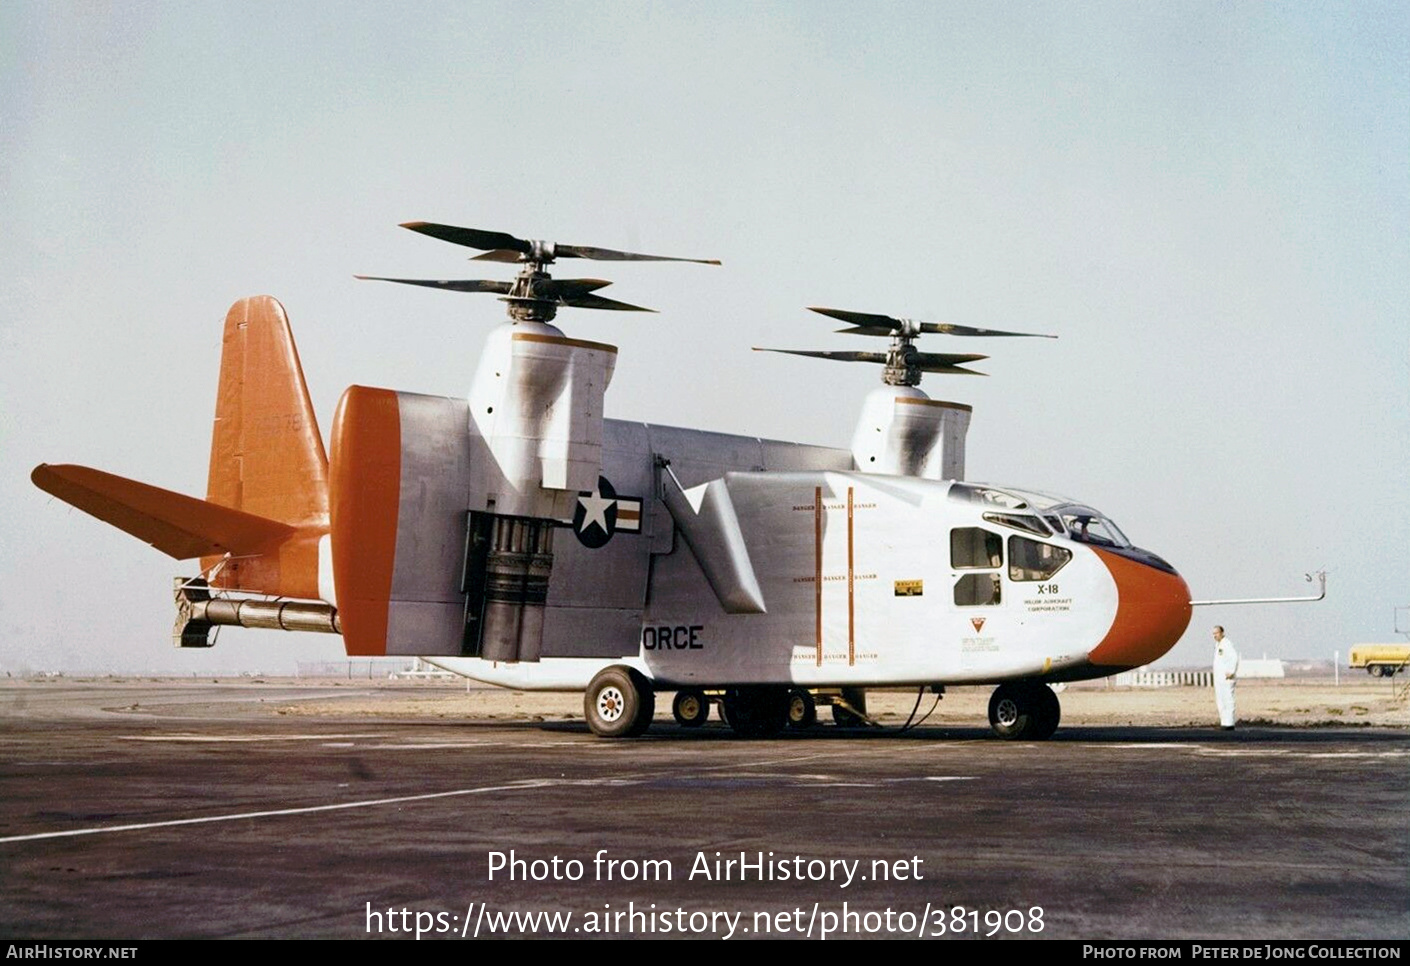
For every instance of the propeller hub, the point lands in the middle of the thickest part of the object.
(901, 368)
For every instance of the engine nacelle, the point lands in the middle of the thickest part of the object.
(443, 510)
(903, 432)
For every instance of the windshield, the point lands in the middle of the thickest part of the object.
(1061, 515)
(1086, 525)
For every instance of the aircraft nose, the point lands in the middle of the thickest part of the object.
(1152, 611)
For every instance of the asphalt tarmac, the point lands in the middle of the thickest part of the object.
(123, 823)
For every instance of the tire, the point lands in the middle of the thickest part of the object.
(646, 708)
(691, 708)
(802, 709)
(1014, 712)
(1049, 713)
(756, 712)
(857, 698)
(619, 703)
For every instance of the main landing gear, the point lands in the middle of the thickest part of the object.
(691, 708)
(619, 703)
(754, 711)
(757, 711)
(751, 712)
(1024, 711)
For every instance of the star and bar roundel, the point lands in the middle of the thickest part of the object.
(602, 513)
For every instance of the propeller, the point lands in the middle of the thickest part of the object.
(575, 292)
(866, 323)
(939, 362)
(534, 295)
(903, 361)
(501, 247)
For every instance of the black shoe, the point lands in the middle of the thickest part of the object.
(1228, 727)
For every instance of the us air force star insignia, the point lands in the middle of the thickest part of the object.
(595, 509)
(602, 513)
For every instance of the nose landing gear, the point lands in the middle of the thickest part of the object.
(1024, 711)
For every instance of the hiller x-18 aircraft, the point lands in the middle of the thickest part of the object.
(757, 574)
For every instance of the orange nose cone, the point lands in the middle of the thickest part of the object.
(1152, 611)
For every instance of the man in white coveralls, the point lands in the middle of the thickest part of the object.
(1226, 667)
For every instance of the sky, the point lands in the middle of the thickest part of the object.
(1207, 202)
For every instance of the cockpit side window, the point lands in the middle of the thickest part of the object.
(977, 590)
(1032, 560)
(974, 548)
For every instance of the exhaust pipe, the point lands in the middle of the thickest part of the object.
(197, 612)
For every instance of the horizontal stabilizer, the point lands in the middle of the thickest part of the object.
(177, 525)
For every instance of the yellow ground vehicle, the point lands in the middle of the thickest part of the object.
(1380, 660)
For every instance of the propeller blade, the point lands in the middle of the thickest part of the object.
(498, 255)
(948, 328)
(586, 301)
(867, 330)
(833, 355)
(866, 323)
(951, 370)
(923, 359)
(453, 285)
(608, 255)
(864, 319)
(470, 237)
(570, 285)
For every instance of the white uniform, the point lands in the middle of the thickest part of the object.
(1226, 667)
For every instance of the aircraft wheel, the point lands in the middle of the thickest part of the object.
(802, 709)
(857, 698)
(691, 708)
(756, 712)
(646, 708)
(1014, 712)
(619, 703)
(1049, 713)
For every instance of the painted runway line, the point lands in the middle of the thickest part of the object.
(804, 780)
(269, 813)
(241, 739)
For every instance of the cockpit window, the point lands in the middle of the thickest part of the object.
(977, 590)
(974, 548)
(1031, 560)
(1019, 521)
(988, 495)
(1088, 526)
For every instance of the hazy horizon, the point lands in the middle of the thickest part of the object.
(1207, 203)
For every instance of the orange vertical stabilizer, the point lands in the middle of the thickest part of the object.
(267, 457)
